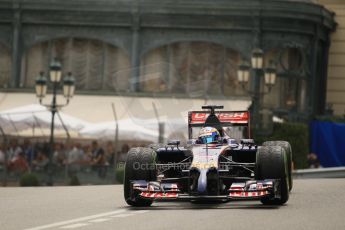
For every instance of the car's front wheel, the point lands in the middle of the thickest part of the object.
(286, 145)
(271, 163)
(140, 165)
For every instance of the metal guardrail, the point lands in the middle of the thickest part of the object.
(89, 176)
(334, 172)
(84, 175)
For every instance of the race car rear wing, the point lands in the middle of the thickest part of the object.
(225, 119)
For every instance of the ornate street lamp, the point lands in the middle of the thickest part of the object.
(68, 86)
(55, 74)
(55, 71)
(243, 73)
(41, 86)
(270, 75)
(257, 67)
(257, 58)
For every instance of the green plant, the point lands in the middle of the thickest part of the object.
(74, 181)
(336, 119)
(29, 180)
(298, 136)
(120, 172)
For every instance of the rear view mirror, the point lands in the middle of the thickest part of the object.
(247, 142)
(174, 142)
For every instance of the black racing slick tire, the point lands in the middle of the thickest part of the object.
(140, 165)
(286, 145)
(271, 163)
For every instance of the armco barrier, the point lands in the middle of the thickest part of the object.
(336, 172)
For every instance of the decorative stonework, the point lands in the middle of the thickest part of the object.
(140, 27)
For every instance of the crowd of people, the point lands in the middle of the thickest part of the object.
(19, 158)
(71, 157)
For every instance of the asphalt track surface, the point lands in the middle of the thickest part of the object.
(314, 204)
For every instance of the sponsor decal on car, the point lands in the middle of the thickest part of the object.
(225, 117)
(248, 194)
(158, 195)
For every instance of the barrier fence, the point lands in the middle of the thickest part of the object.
(334, 172)
(64, 175)
(101, 175)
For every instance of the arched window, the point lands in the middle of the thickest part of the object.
(196, 69)
(95, 65)
(5, 66)
(290, 91)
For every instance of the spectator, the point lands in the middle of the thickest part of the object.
(110, 154)
(123, 154)
(41, 162)
(313, 161)
(28, 151)
(73, 159)
(87, 156)
(2, 157)
(13, 151)
(98, 159)
(19, 165)
(59, 155)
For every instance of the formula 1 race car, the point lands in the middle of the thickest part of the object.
(213, 166)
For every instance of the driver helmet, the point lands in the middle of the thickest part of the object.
(208, 135)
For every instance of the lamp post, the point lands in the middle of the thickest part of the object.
(55, 74)
(257, 67)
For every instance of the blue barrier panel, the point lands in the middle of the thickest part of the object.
(328, 143)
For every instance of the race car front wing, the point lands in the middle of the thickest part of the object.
(250, 190)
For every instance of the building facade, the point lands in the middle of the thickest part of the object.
(336, 67)
(188, 49)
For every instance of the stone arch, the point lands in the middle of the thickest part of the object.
(291, 54)
(290, 91)
(95, 64)
(195, 68)
(118, 37)
(227, 44)
(5, 65)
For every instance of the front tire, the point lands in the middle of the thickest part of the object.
(286, 145)
(271, 163)
(140, 165)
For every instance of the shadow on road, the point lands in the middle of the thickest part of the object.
(199, 206)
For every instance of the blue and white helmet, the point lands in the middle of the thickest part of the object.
(208, 135)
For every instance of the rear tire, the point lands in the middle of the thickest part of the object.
(271, 164)
(286, 145)
(140, 165)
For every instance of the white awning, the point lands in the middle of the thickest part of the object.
(127, 130)
(95, 112)
(35, 116)
(97, 109)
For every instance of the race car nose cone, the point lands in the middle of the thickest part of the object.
(202, 182)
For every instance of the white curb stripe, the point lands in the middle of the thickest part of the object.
(74, 226)
(123, 215)
(86, 218)
(140, 211)
(99, 220)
